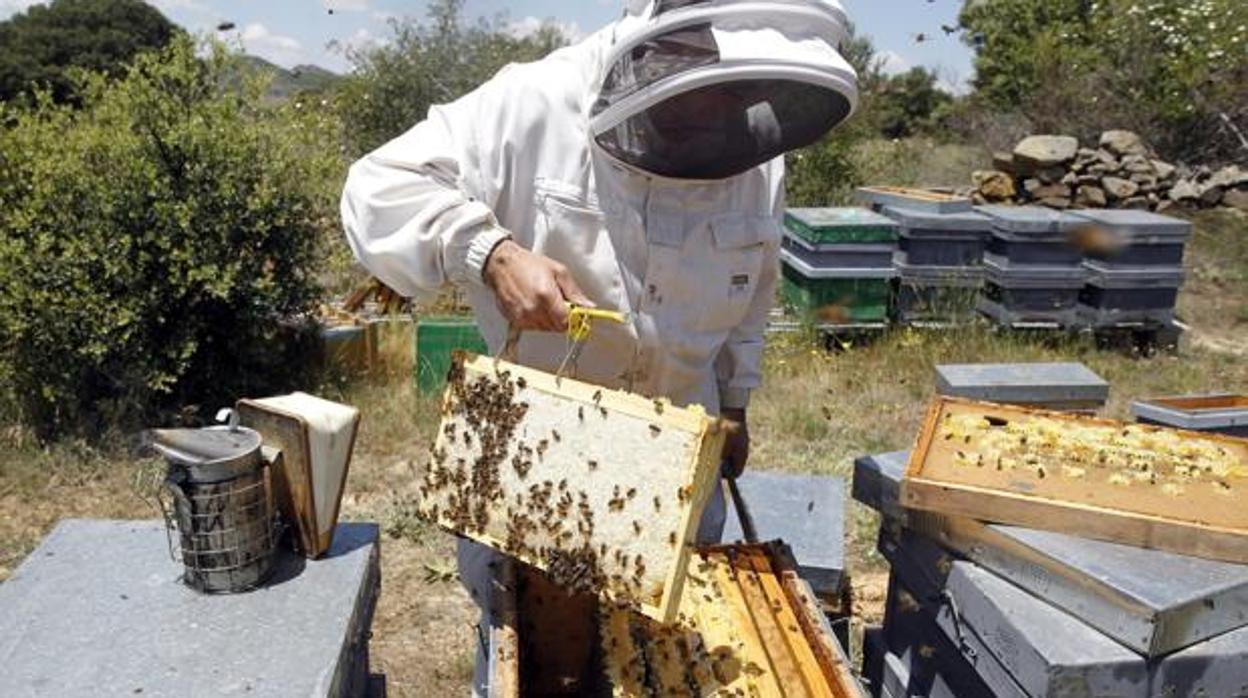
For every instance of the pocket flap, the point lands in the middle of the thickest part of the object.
(737, 231)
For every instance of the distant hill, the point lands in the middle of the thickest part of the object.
(300, 79)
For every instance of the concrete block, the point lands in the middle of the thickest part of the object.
(1114, 588)
(99, 609)
(1055, 385)
(805, 511)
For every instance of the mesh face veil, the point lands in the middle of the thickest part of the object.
(708, 89)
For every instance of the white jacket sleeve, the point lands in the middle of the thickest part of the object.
(415, 210)
(738, 366)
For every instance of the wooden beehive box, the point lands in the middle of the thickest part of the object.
(601, 489)
(1128, 483)
(747, 626)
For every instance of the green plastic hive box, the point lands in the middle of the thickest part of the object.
(436, 338)
(830, 226)
(837, 301)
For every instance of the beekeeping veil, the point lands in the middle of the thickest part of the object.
(707, 89)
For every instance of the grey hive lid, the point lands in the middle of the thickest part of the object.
(1138, 224)
(915, 219)
(1022, 383)
(1033, 220)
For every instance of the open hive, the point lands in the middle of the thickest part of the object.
(1129, 483)
(747, 627)
(600, 489)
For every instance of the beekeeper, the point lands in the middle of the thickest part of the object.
(639, 170)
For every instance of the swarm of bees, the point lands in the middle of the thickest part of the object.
(1122, 455)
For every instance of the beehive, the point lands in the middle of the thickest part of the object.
(1130, 483)
(746, 627)
(601, 489)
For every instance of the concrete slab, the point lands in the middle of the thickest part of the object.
(1114, 588)
(805, 511)
(1054, 385)
(99, 609)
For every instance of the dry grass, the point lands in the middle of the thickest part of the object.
(816, 413)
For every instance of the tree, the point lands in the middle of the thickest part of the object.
(157, 242)
(392, 86)
(905, 104)
(41, 46)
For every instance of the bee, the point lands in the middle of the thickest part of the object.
(671, 538)
(521, 383)
(597, 396)
(580, 413)
(658, 407)
(655, 430)
(556, 436)
(593, 464)
(658, 505)
(637, 528)
(632, 492)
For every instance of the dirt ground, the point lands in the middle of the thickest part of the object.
(815, 413)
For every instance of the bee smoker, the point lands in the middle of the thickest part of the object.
(222, 506)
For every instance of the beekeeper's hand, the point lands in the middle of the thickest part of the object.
(737, 445)
(532, 291)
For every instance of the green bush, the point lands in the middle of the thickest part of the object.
(158, 245)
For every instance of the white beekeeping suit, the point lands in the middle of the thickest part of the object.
(577, 157)
(647, 159)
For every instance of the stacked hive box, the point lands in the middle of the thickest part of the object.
(437, 337)
(1033, 274)
(1136, 277)
(837, 265)
(979, 609)
(1219, 414)
(939, 263)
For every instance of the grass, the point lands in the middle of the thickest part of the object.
(815, 413)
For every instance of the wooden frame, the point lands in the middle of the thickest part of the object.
(291, 475)
(748, 626)
(632, 473)
(1206, 524)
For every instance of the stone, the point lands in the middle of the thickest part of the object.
(1051, 191)
(1089, 179)
(1164, 170)
(1091, 197)
(1051, 175)
(1118, 188)
(1185, 190)
(994, 185)
(1211, 194)
(1136, 164)
(1055, 202)
(1237, 199)
(1071, 179)
(1100, 169)
(1228, 177)
(1123, 143)
(1038, 152)
(1139, 203)
(1003, 161)
(1031, 185)
(1164, 205)
(1147, 182)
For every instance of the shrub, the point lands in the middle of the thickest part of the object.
(158, 244)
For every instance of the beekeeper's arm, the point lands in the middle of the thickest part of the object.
(738, 366)
(417, 211)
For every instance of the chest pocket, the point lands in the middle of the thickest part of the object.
(712, 270)
(574, 233)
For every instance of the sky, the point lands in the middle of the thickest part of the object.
(294, 32)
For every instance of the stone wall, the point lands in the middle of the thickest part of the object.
(1121, 172)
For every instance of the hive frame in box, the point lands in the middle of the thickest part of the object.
(1018, 503)
(558, 428)
(764, 596)
(287, 434)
